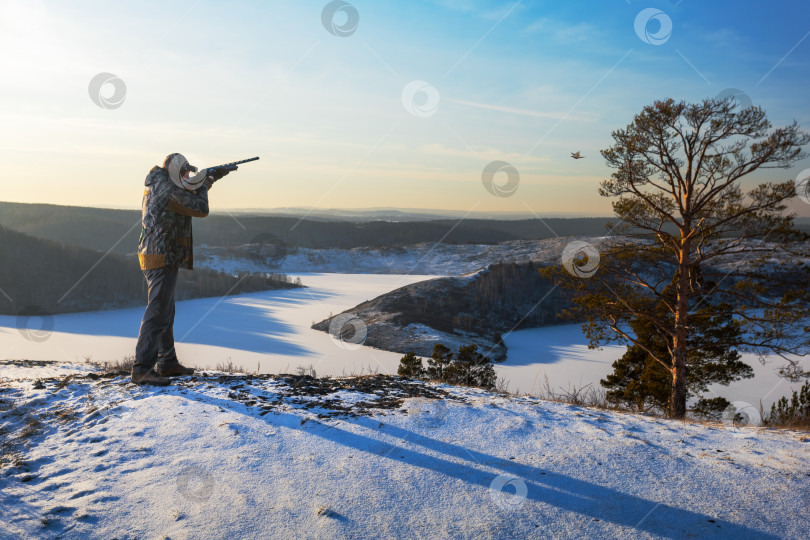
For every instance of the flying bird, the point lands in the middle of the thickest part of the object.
(576, 155)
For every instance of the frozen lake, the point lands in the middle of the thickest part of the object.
(270, 331)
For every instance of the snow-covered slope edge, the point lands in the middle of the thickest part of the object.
(221, 456)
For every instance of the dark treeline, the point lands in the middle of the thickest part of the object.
(101, 229)
(40, 275)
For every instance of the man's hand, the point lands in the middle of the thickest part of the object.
(219, 173)
(216, 175)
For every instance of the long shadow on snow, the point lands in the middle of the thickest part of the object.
(245, 322)
(551, 344)
(564, 492)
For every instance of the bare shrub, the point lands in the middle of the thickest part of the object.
(586, 396)
(302, 371)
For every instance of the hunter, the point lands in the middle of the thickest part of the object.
(171, 198)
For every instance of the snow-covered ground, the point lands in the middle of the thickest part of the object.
(248, 457)
(270, 331)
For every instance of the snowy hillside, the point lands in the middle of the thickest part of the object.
(229, 456)
(425, 258)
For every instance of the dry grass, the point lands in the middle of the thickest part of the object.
(33, 427)
(11, 444)
(113, 366)
(65, 415)
(7, 451)
(586, 396)
(229, 367)
(364, 371)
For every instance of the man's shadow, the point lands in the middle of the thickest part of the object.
(543, 486)
(246, 322)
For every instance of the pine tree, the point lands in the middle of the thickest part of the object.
(637, 379)
(438, 362)
(793, 413)
(683, 215)
(471, 368)
(410, 366)
(642, 382)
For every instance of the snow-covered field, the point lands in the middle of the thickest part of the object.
(248, 457)
(270, 331)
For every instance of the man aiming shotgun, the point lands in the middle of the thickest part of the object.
(171, 198)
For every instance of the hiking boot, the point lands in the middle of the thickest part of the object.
(150, 378)
(173, 370)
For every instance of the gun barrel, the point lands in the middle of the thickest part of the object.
(234, 164)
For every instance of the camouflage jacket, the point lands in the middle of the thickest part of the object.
(166, 239)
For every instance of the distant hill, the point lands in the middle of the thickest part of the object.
(42, 275)
(104, 229)
(92, 228)
(455, 311)
(397, 214)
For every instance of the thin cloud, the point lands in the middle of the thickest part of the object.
(523, 112)
(481, 9)
(485, 154)
(565, 32)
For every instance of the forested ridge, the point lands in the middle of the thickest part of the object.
(102, 229)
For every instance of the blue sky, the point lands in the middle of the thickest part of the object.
(526, 83)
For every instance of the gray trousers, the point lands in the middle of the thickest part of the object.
(156, 336)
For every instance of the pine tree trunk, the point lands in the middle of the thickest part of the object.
(677, 400)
